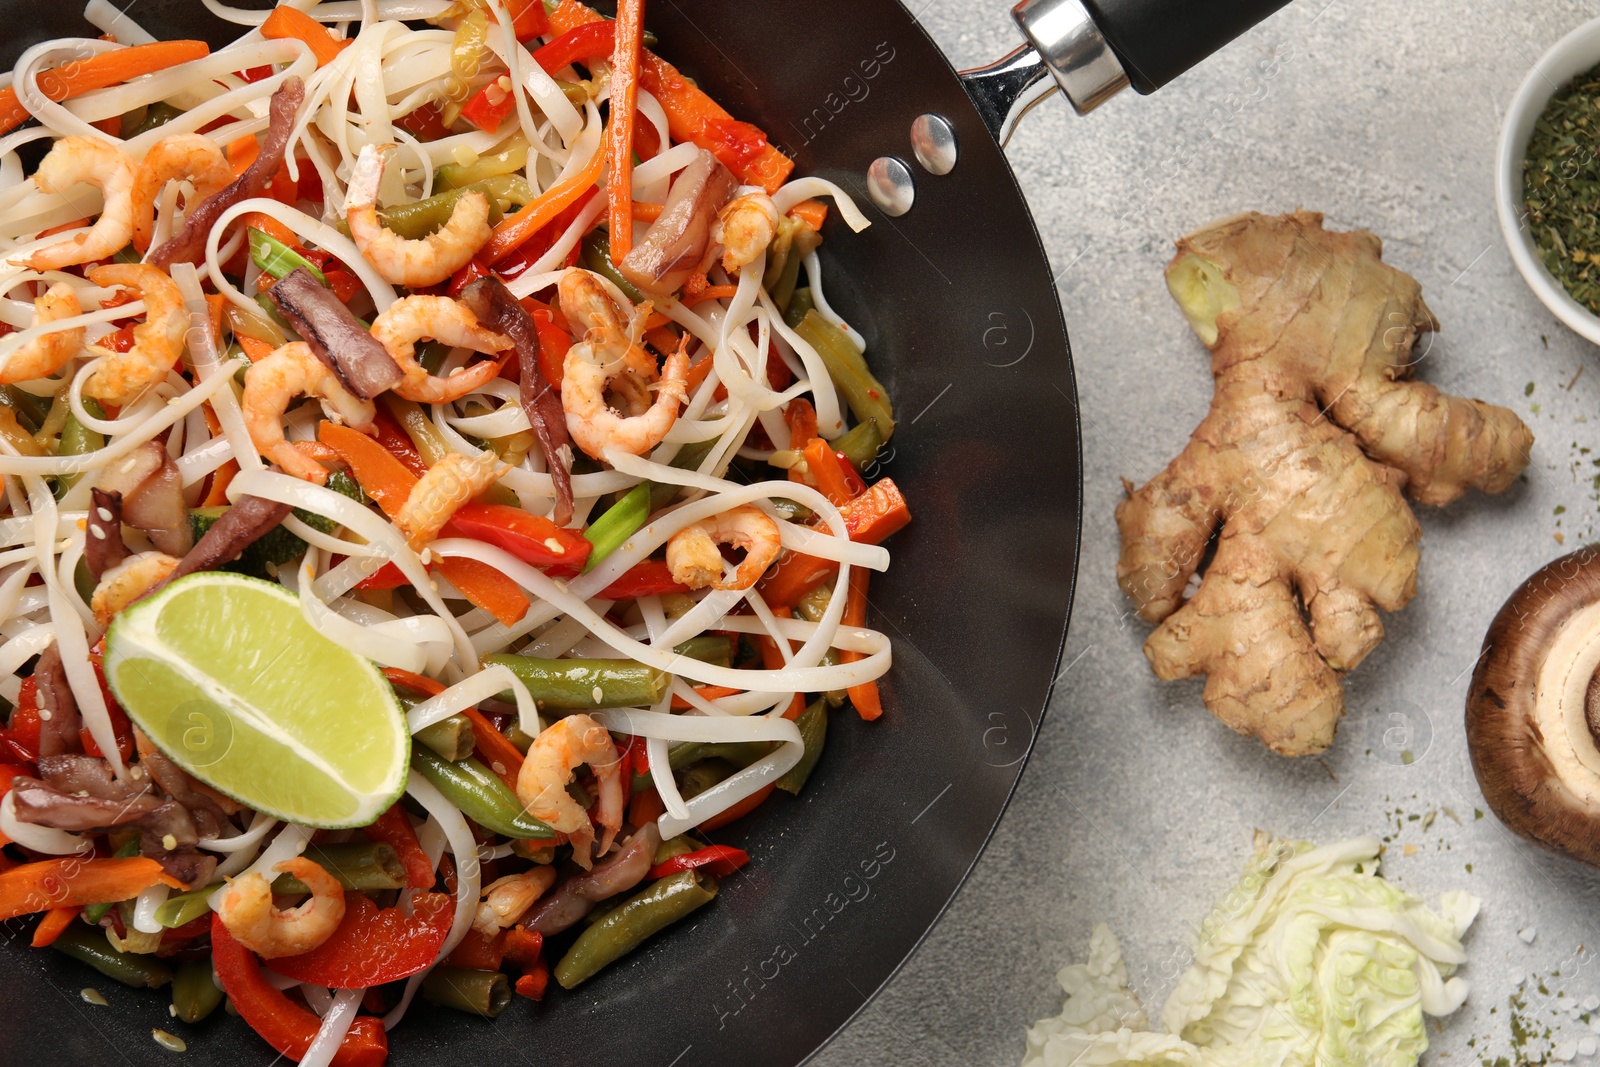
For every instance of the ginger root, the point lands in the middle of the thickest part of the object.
(1314, 431)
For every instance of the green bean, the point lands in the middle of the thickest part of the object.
(708, 648)
(625, 929)
(811, 608)
(582, 684)
(480, 794)
(157, 114)
(451, 738)
(519, 737)
(30, 410)
(357, 864)
(703, 775)
(419, 218)
(527, 851)
(83, 581)
(88, 944)
(790, 510)
(597, 257)
(864, 393)
(486, 993)
(620, 522)
(194, 993)
(512, 157)
(799, 304)
(276, 259)
(78, 440)
(672, 847)
(95, 912)
(813, 724)
(739, 753)
(860, 443)
(185, 908)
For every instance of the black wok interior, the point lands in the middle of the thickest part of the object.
(963, 324)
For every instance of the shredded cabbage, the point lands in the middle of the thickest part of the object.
(1312, 960)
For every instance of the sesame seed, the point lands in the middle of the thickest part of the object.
(169, 842)
(99, 532)
(555, 546)
(44, 714)
(172, 1010)
(598, 694)
(93, 996)
(104, 513)
(499, 768)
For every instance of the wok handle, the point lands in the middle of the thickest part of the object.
(1157, 40)
(1091, 49)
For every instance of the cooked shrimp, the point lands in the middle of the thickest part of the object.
(44, 355)
(246, 910)
(271, 386)
(562, 748)
(425, 261)
(157, 342)
(586, 304)
(90, 160)
(413, 318)
(589, 367)
(744, 228)
(127, 582)
(695, 561)
(449, 483)
(183, 156)
(507, 899)
(590, 309)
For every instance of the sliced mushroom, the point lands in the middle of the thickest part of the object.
(335, 335)
(151, 493)
(1533, 709)
(676, 244)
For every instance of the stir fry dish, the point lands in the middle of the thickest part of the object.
(436, 499)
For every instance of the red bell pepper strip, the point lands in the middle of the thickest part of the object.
(590, 41)
(719, 860)
(523, 946)
(494, 748)
(652, 577)
(121, 728)
(479, 952)
(373, 945)
(282, 1023)
(394, 829)
(533, 984)
(8, 772)
(528, 19)
(387, 576)
(22, 735)
(426, 123)
(489, 106)
(738, 811)
(531, 538)
(554, 340)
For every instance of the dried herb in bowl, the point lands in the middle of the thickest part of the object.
(1561, 187)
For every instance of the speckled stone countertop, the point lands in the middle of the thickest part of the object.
(1137, 807)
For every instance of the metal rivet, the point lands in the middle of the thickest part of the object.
(890, 186)
(934, 143)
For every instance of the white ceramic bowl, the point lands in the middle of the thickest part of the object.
(1575, 53)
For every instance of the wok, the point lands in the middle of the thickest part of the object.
(956, 301)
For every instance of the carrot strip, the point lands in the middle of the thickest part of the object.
(381, 476)
(699, 371)
(242, 151)
(865, 696)
(811, 212)
(255, 349)
(55, 921)
(645, 212)
(619, 136)
(517, 228)
(711, 292)
(772, 659)
(705, 692)
(285, 22)
(73, 880)
(108, 68)
(257, 220)
(738, 811)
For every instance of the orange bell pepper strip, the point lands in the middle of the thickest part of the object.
(242, 151)
(54, 923)
(531, 217)
(282, 1023)
(74, 880)
(382, 477)
(864, 696)
(811, 212)
(619, 135)
(80, 76)
(692, 115)
(286, 22)
(484, 587)
(826, 472)
(870, 519)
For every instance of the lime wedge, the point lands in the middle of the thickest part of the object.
(228, 679)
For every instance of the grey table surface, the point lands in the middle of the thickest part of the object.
(1137, 807)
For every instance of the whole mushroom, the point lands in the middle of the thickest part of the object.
(1533, 709)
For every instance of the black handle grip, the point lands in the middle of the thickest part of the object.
(1157, 40)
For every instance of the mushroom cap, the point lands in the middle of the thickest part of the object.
(1529, 714)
